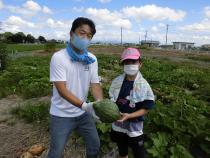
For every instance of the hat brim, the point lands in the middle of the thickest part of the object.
(134, 58)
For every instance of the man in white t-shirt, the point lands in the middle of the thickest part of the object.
(73, 71)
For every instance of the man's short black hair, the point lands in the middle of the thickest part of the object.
(81, 21)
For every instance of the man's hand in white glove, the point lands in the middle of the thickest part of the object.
(88, 107)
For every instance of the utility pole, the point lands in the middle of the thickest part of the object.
(121, 35)
(167, 25)
(146, 35)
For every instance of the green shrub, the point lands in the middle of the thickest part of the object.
(32, 112)
(144, 47)
(50, 47)
(31, 88)
(3, 56)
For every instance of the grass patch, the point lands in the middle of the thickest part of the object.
(32, 112)
(27, 77)
(200, 58)
(29, 47)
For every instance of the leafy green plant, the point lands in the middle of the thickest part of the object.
(159, 148)
(177, 126)
(50, 47)
(3, 56)
(32, 112)
(178, 151)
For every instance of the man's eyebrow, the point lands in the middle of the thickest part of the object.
(83, 31)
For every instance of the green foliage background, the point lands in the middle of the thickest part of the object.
(178, 127)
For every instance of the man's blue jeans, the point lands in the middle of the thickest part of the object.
(62, 127)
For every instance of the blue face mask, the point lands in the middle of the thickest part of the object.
(80, 43)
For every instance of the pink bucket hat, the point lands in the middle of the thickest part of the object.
(130, 53)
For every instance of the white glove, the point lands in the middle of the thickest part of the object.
(88, 107)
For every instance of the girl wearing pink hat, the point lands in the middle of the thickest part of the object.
(134, 97)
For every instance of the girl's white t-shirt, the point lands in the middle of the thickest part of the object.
(77, 77)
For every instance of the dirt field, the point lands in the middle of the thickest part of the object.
(17, 136)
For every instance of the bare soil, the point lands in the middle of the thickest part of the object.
(16, 136)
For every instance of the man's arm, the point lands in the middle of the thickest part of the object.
(66, 94)
(96, 91)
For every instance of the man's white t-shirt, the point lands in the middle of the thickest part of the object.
(77, 77)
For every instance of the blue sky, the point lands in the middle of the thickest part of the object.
(189, 20)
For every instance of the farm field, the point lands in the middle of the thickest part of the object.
(178, 127)
(29, 47)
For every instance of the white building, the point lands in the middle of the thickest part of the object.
(150, 43)
(183, 45)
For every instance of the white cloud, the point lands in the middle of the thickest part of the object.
(162, 25)
(16, 24)
(78, 9)
(153, 12)
(47, 10)
(15, 20)
(106, 17)
(9, 28)
(22, 11)
(104, 1)
(154, 29)
(207, 11)
(29, 9)
(1, 4)
(58, 35)
(31, 5)
(203, 26)
(61, 35)
(57, 24)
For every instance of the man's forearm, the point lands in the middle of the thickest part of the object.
(97, 91)
(70, 97)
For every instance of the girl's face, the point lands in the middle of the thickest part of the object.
(131, 67)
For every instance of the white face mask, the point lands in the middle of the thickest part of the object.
(131, 69)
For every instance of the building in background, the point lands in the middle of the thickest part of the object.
(183, 45)
(205, 47)
(167, 46)
(150, 43)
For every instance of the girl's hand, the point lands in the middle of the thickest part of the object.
(124, 117)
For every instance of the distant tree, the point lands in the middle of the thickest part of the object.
(52, 41)
(19, 37)
(30, 38)
(7, 37)
(1, 36)
(42, 39)
(205, 47)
